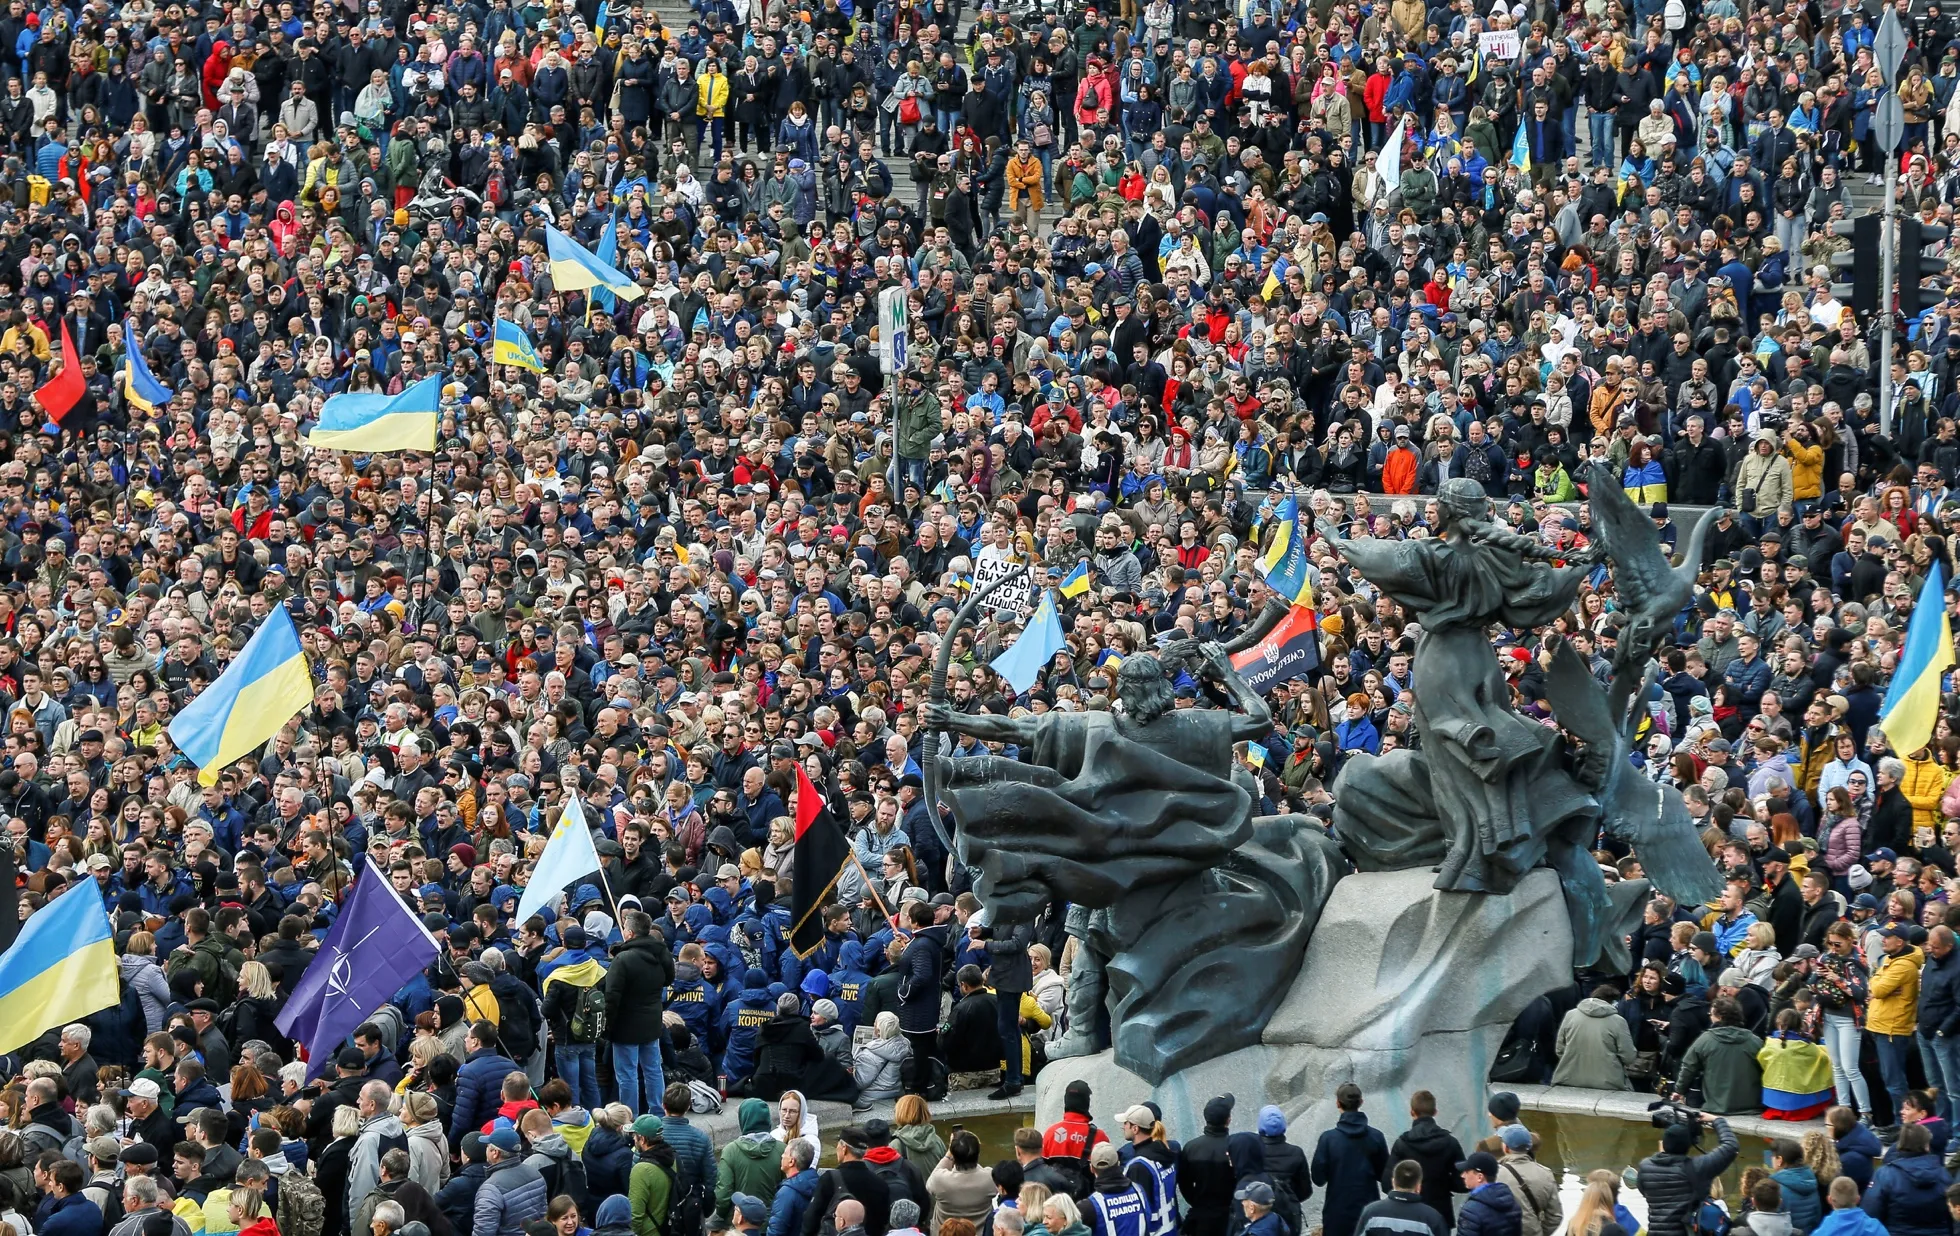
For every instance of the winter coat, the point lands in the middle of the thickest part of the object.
(608, 1162)
(878, 1066)
(1722, 1063)
(1908, 1195)
(1594, 1048)
(152, 988)
(1895, 994)
(1401, 1214)
(1537, 1193)
(1768, 476)
(1800, 1196)
(922, 971)
(1438, 1151)
(479, 1091)
(641, 970)
(752, 1163)
(1349, 1162)
(1675, 1185)
(512, 1195)
(458, 1198)
(1939, 994)
(1490, 1210)
(1850, 1222)
(1858, 1153)
(786, 1212)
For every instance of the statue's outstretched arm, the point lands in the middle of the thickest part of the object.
(1254, 720)
(986, 726)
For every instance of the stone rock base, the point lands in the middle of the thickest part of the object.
(1403, 989)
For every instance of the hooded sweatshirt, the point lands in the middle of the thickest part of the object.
(753, 1162)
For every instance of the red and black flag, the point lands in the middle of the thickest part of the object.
(821, 852)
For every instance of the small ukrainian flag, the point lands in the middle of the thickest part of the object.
(1077, 582)
(1255, 754)
(61, 968)
(251, 701)
(1284, 564)
(141, 390)
(509, 345)
(368, 423)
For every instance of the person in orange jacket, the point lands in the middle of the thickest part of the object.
(1024, 182)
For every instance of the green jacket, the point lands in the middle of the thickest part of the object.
(1723, 1063)
(920, 1145)
(648, 1189)
(920, 420)
(753, 1162)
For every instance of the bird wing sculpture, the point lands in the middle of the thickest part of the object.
(1650, 816)
(1650, 588)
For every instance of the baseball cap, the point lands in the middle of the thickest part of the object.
(1480, 1161)
(1258, 1192)
(143, 1088)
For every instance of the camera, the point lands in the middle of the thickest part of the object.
(1663, 1115)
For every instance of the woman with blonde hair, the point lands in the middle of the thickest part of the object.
(1594, 1211)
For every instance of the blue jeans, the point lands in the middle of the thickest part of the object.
(636, 1067)
(1941, 1058)
(950, 120)
(1007, 1007)
(1841, 1044)
(1601, 124)
(578, 1064)
(1892, 1049)
(913, 470)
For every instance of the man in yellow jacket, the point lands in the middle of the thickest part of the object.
(1894, 1011)
(711, 106)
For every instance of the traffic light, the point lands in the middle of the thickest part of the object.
(1862, 261)
(1916, 266)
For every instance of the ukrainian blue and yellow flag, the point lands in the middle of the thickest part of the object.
(369, 424)
(141, 390)
(251, 701)
(573, 269)
(61, 968)
(1912, 704)
(509, 345)
(1077, 582)
(1521, 149)
(1284, 564)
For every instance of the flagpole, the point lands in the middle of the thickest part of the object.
(603, 882)
(872, 888)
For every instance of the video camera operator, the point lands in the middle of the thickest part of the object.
(1675, 1181)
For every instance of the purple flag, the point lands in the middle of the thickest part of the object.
(373, 949)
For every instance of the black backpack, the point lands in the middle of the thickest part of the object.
(588, 1020)
(685, 1214)
(927, 1079)
(842, 1194)
(1078, 1181)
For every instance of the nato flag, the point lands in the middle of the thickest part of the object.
(373, 949)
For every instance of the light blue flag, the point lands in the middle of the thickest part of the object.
(1038, 644)
(568, 857)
